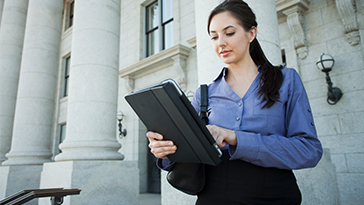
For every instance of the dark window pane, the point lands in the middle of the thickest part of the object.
(67, 63)
(70, 17)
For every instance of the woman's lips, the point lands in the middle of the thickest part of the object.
(225, 53)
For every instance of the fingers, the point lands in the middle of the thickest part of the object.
(152, 136)
(222, 136)
(159, 147)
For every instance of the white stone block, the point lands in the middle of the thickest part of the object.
(355, 163)
(101, 182)
(170, 195)
(4, 172)
(347, 104)
(18, 178)
(319, 185)
(348, 62)
(344, 144)
(351, 188)
(328, 125)
(352, 122)
(340, 162)
(340, 46)
(330, 13)
(314, 18)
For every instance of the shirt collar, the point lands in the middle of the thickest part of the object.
(224, 71)
(222, 74)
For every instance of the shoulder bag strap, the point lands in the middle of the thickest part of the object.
(204, 103)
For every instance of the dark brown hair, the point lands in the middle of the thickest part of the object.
(271, 77)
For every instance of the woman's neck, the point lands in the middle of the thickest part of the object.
(242, 71)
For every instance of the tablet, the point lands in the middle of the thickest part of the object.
(164, 108)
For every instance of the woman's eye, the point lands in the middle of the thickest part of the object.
(230, 34)
(213, 37)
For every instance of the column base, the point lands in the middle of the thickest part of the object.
(17, 178)
(92, 150)
(101, 182)
(27, 158)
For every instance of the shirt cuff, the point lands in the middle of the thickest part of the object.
(165, 164)
(247, 148)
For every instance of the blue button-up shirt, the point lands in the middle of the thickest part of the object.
(282, 136)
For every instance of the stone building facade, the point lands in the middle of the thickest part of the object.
(66, 65)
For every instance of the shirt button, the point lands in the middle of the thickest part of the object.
(309, 110)
(238, 118)
(240, 103)
(312, 124)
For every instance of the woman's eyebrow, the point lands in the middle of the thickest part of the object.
(230, 26)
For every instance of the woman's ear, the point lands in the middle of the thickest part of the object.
(252, 33)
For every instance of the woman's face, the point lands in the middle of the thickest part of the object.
(229, 39)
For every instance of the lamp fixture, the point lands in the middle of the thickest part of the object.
(120, 116)
(325, 64)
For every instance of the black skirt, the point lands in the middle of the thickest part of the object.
(238, 182)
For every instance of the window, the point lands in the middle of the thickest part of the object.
(70, 14)
(159, 26)
(62, 135)
(67, 62)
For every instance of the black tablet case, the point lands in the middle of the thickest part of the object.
(165, 109)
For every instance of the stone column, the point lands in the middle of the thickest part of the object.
(12, 28)
(37, 85)
(36, 92)
(92, 99)
(90, 159)
(209, 65)
(268, 32)
(1, 9)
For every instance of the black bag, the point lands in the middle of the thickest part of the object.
(190, 177)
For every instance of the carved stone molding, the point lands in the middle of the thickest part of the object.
(180, 67)
(177, 55)
(129, 83)
(294, 9)
(295, 25)
(347, 9)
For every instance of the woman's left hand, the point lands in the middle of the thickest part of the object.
(222, 136)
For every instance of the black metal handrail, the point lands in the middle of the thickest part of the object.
(26, 195)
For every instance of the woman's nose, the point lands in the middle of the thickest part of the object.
(222, 42)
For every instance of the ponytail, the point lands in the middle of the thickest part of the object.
(271, 77)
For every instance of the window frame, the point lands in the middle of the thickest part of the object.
(61, 135)
(66, 74)
(70, 14)
(161, 27)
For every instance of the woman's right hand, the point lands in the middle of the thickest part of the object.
(159, 147)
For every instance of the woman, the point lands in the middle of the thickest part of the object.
(259, 115)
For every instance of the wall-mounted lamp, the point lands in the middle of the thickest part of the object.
(120, 116)
(325, 64)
